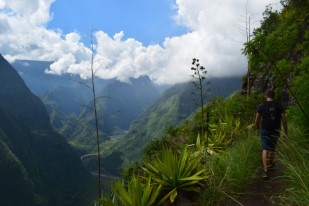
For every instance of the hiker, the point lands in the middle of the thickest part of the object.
(271, 113)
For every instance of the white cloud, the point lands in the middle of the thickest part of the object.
(2, 4)
(62, 65)
(213, 38)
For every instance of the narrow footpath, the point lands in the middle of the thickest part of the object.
(260, 192)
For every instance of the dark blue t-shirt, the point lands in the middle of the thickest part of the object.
(271, 115)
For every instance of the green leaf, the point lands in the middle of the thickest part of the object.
(173, 195)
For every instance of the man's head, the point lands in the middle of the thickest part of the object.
(270, 94)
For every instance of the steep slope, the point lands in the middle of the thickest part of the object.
(118, 105)
(32, 72)
(124, 102)
(17, 100)
(63, 102)
(173, 107)
(13, 176)
(278, 54)
(41, 167)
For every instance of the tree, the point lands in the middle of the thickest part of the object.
(96, 118)
(91, 85)
(201, 86)
(245, 28)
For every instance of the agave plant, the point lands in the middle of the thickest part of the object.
(200, 148)
(176, 172)
(218, 141)
(137, 192)
(229, 125)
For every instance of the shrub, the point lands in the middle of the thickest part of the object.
(135, 193)
(176, 172)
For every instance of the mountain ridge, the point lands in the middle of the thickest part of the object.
(49, 171)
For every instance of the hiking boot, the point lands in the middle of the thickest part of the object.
(265, 175)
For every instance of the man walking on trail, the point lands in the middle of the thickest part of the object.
(271, 113)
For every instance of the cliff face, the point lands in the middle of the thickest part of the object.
(37, 166)
(18, 101)
(261, 82)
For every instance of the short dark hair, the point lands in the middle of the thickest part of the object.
(270, 94)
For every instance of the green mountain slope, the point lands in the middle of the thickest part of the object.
(172, 108)
(17, 100)
(118, 105)
(18, 183)
(37, 167)
(63, 102)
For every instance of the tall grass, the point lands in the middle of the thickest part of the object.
(294, 156)
(240, 163)
(232, 171)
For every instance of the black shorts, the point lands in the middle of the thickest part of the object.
(269, 139)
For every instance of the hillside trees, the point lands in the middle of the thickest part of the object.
(279, 48)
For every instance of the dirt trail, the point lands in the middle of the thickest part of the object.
(260, 192)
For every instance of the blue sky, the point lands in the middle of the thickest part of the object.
(149, 21)
(157, 38)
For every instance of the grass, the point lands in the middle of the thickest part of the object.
(232, 171)
(294, 156)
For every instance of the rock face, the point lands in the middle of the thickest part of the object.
(261, 82)
(37, 166)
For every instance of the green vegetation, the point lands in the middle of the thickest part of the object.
(231, 171)
(10, 164)
(176, 172)
(184, 164)
(38, 167)
(279, 50)
(137, 193)
(294, 157)
(278, 58)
